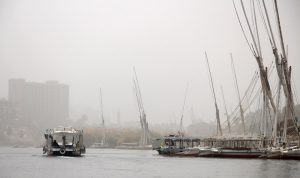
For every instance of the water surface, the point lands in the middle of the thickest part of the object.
(30, 162)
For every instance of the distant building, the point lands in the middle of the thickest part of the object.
(43, 104)
(7, 112)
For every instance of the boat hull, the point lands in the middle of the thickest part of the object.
(236, 153)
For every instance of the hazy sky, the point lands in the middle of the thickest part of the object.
(90, 44)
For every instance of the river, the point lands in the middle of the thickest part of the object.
(30, 163)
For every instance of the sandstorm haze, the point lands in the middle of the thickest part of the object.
(93, 44)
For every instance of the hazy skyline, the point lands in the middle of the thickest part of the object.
(93, 44)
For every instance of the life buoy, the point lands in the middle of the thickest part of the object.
(62, 151)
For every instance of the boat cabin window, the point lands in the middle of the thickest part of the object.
(177, 144)
(59, 138)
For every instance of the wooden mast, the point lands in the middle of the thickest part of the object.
(145, 137)
(181, 118)
(103, 140)
(219, 129)
(284, 75)
(226, 112)
(289, 128)
(256, 51)
(239, 96)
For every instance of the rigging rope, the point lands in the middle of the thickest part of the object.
(238, 17)
(256, 29)
(268, 30)
(294, 89)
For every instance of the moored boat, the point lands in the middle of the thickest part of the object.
(177, 146)
(291, 153)
(236, 153)
(232, 147)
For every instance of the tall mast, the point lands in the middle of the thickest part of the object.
(181, 127)
(219, 129)
(292, 128)
(256, 51)
(101, 107)
(239, 96)
(102, 118)
(138, 90)
(138, 101)
(279, 62)
(279, 67)
(276, 117)
(142, 139)
(145, 137)
(258, 57)
(227, 115)
(280, 31)
(284, 76)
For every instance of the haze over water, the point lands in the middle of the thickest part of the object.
(29, 162)
(93, 44)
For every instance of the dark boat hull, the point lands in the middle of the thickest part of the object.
(232, 153)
